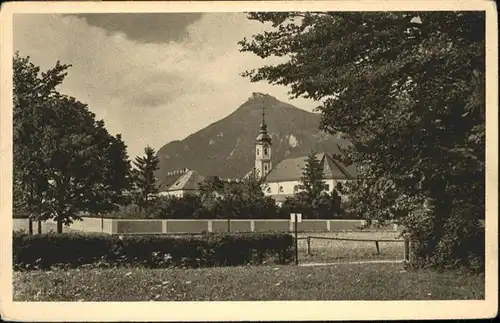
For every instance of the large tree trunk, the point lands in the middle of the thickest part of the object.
(30, 226)
(39, 226)
(59, 225)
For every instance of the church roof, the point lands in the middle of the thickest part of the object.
(336, 170)
(263, 137)
(291, 169)
(170, 177)
(188, 181)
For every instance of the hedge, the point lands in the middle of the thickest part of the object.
(152, 251)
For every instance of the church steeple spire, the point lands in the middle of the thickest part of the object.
(263, 137)
(263, 126)
(263, 149)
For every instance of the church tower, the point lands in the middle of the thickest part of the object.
(263, 150)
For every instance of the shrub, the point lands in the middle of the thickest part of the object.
(44, 250)
(152, 251)
(457, 242)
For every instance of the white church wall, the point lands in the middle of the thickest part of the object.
(286, 187)
(292, 187)
(177, 193)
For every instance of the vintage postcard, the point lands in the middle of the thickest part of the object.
(249, 160)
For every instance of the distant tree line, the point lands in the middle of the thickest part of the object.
(243, 200)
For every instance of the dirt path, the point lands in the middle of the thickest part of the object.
(314, 264)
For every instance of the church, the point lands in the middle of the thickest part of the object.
(281, 181)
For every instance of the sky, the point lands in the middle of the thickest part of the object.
(151, 77)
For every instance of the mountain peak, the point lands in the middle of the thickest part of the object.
(226, 148)
(257, 101)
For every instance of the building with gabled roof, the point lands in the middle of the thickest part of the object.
(284, 179)
(166, 181)
(187, 183)
(291, 169)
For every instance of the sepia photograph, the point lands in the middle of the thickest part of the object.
(249, 160)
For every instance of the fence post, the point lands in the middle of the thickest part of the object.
(296, 241)
(376, 245)
(308, 246)
(407, 248)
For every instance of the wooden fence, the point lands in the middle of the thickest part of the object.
(406, 241)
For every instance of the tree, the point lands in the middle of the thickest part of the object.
(312, 201)
(327, 205)
(65, 162)
(255, 203)
(30, 91)
(312, 182)
(187, 207)
(298, 203)
(407, 89)
(210, 188)
(230, 204)
(145, 180)
(253, 185)
(242, 199)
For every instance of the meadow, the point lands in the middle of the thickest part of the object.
(345, 251)
(249, 283)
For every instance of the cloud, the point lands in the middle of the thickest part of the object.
(145, 27)
(150, 92)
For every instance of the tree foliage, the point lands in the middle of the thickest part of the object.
(219, 199)
(254, 201)
(327, 205)
(30, 92)
(189, 206)
(145, 182)
(210, 190)
(312, 181)
(65, 162)
(313, 200)
(407, 89)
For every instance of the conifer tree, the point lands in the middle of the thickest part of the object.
(145, 180)
(312, 181)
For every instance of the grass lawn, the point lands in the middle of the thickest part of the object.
(251, 283)
(338, 251)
